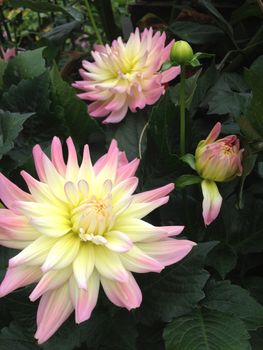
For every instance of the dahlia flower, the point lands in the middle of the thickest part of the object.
(79, 227)
(126, 76)
(216, 160)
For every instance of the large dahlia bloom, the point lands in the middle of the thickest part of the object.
(79, 227)
(126, 75)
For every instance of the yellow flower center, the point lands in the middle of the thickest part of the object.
(92, 218)
(227, 150)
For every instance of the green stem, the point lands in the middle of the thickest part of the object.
(182, 111)
(93, 22)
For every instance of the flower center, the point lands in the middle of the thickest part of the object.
(227, 150)
(92, 218)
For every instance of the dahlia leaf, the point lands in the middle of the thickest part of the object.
(229, 298)
(175, 293)
(72, 111)
(10, 126)
(26, 65)
(205, 329)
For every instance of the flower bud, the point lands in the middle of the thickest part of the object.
(218, 160)
(181, 52)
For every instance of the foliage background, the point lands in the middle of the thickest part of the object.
(213, 298)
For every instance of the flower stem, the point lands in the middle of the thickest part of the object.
(93, 23)
(182, 111)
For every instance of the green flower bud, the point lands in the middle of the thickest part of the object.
(181, 52)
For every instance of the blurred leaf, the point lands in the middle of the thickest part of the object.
(189, 159)
(204, 83)
(206, 330)
(207, 4)
(28, 96)
(254, 78)
(187, 180)
(60, 33)
(257, 339)
(244, 226)
(107, 19)
(14, 337)
(10, 126)
(159, 158)
(249, 8)
(175, 292)
(228, 96)
(247, 129)
(26, 65)
(223, 259)
(72, 111)
(255, 286)
(190, 86)
(128, 133)
(38, 6)
(229, 298)
(3, 66)
(196, 33)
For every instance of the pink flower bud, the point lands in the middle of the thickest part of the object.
(219, 160)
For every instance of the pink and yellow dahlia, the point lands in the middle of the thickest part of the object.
(217, 160)
(79, 227)
(126, 75)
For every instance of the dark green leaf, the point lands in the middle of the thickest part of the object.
(10, 126)
(206, 329)
(228, 96)
(254, 78)
(229, 298)
(196, 33)
(28, 96)
(189, 159)
(14, 337)
(3, 66)
(223, 259)
(38, 6)
(60, 33)
(26, 65)
(207, 4)
(187, 180)
(72, 111)
(129, 135)
(178, 288)
(190, 86)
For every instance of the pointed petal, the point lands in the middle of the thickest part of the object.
(139, 210)
(62, 253)
(9, 192)
(167, 251)
(138, 230)
(35, 253)
(127, 170)
(54, 308)
(57, 156)
(83, 300)
(127, 294)
(109, 265)
(212, 201)
(214, 133)
(72, 164)
(51, 280)
(52, 226)
(152, 195)
(137, 261)
(83, 265)
(170, 74)
(17, 277)
(118, 242)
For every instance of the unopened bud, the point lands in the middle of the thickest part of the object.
(181, 52)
